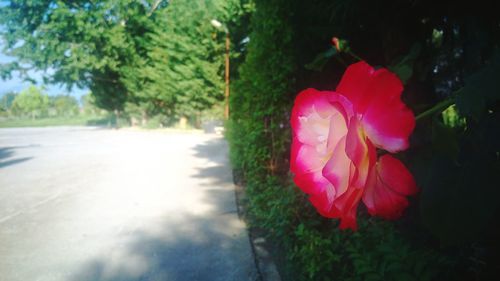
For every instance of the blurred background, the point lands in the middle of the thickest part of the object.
(117, 62)
(201, 64)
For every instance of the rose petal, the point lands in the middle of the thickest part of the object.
(396, 176)
(306, 158)
(387, 121)
(310, 101)
(323, 202)
(342, 104)
(313, 183)
(383, 193)
(355, 85)
(333, 152)
(338, 130)
(375, 95)
(345, 207)
(337, 169)
(360, 151)
(312, 118)
(317, 126)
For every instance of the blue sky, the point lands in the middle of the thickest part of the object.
(16, 84)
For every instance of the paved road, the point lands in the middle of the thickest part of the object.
(93, 204)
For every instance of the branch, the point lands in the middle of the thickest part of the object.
(154, 7)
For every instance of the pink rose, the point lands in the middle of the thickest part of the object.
(335, 137)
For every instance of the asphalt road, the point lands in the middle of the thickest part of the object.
(94, 204)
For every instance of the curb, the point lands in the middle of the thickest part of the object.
(266, 268)
(265, 264)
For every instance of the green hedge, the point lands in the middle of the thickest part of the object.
(449, 230)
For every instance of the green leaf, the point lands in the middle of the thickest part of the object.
(404, 67)
(459, 201)
(469, 103)
(480, 88)
(444, 140)
(373, 277)
(321, 59)
(403, 276)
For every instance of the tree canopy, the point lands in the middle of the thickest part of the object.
(31, 101)
(163, 57)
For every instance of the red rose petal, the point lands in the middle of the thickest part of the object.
(355, 85)
(345, 207)
(384, 193)
(396, 176)
(360, 151)
(387, 121)
(333, 152)
(337, 169)
(375, 95)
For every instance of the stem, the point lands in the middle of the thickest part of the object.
(339, 59)
(354, 55)
(438, 107)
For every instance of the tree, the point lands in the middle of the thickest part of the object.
(184, 65)
(64, 105)
(6, 101)
(82, 43)
(88, 104)
(31, 101)
(159, 57)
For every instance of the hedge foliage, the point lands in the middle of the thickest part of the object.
(446, 55)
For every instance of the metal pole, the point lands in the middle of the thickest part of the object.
(226, 92)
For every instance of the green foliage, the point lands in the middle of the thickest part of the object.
(64, 105)
(31, 101)
(33, 108)
(152, 57)
(182, 73)
(481, 89)
(450, 231)
(6, 101)
(158, 63)
(382, 253)
(404, 66)
(89, 105)
(80, 120)
(321, 59)
(83, 43)
(318, 251)
(155, 122)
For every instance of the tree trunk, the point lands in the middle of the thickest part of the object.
(117, 117)
(183, 122)
(144, 120)
(198, 120)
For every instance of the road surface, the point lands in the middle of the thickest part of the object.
(79, 203)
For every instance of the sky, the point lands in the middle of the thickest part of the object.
(16, 84)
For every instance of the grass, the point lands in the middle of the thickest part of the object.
(54, 121)
(84, 120)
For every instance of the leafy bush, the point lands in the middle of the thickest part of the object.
(448, 61)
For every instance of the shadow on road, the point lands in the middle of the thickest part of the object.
(197, 250)
(212, 245)
(4, 164)
(214, 150)
(8, 152)
(217, 173)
